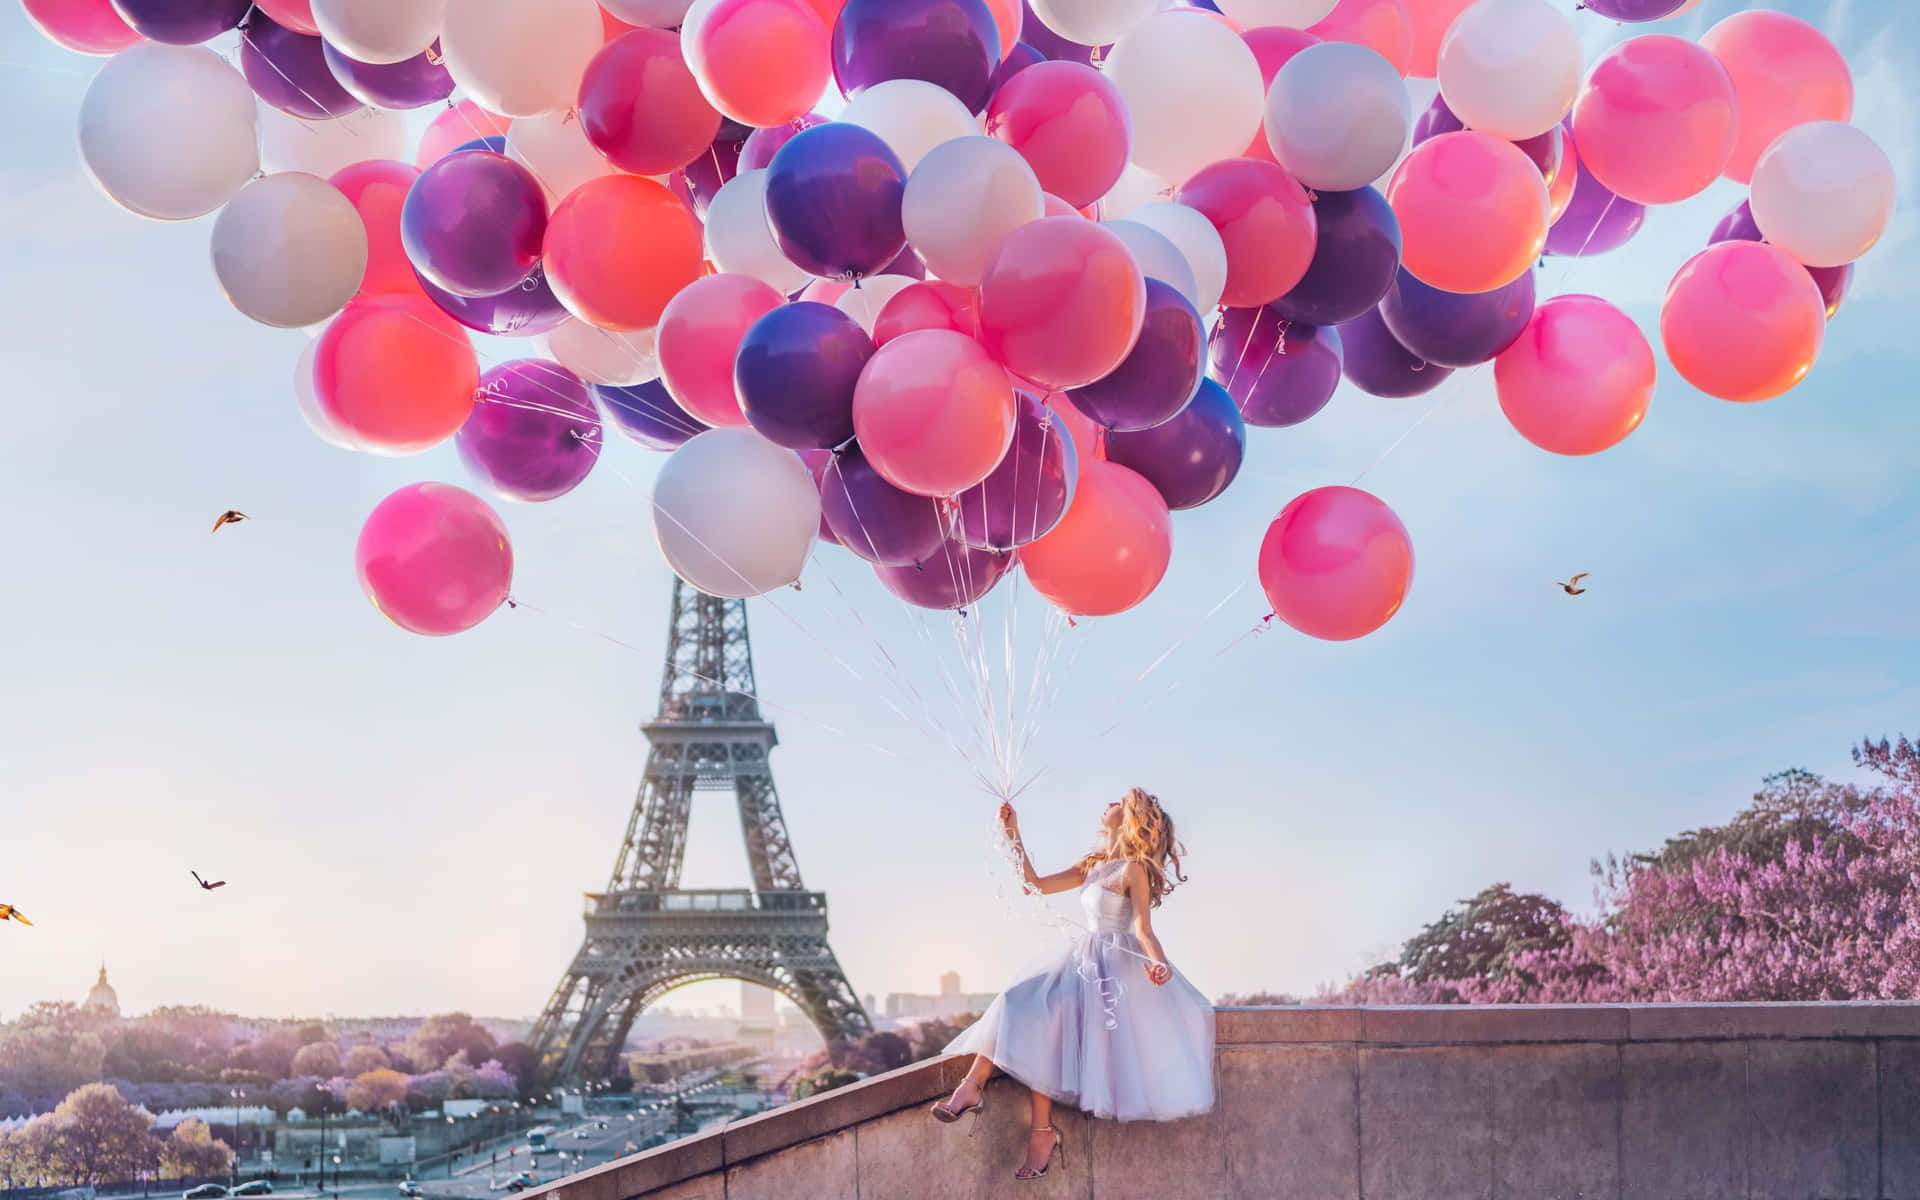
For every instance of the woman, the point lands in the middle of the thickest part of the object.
(1082, 1030)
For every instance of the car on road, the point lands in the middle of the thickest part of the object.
(580, 1135)
(521, 1182)
(409, 1188)
(206, 1191)
(253, 1187)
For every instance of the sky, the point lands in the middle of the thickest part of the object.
(408, 824)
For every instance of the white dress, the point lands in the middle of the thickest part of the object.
(1091, 1030)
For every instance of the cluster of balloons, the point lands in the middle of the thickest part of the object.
(1010, 310)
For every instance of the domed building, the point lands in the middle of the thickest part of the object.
(102, 998)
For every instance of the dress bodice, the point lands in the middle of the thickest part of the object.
(1108, 907)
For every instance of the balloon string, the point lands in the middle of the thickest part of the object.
(295, 84)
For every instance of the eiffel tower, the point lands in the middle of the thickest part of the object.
(647, 935)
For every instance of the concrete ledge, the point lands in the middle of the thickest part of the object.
(1493, 1024)
(910, 1086)
(1837, 1019)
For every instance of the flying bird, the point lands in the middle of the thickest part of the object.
(203, 883)
(1572, 586)
(232, 516)
(9, 912)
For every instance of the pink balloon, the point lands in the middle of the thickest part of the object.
(933, 413)
(1743, 321)
(1111, 549)
(82, 26)
(759, 148)
(1473, 212)
(699, 335)
(761, 62)
(1266, 222)
(1382, 25)
(457, 126)
(1272, 46)
(296, 15)
(934, 304)
(825, 291)
(1070, 124)
(1089, 440)
(1430, 20)
(1056, 207)
(1336, 563)
(1580, 377)
(434, 559)
(1062, 301)
(1658, 120)
(1785, 73)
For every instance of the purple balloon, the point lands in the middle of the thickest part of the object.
(756, 154)
(648, 414)
(1278, 372)
(1455, 330)
(953, 576)
(1635, 10)
(1018, 59)
(526, 309)
(1438, 119)
(1739, 226)
(473, 222)
(413, 83)
(873, 518)
(952, 43)
(492, 144)
(182, 22)
(535, 433)
(288, 71)
(1545, 150)
(710, 172)
(1596, 220)
(833, 201)
(1159, 376)
(1379, 365)
(905, 263)
(1029, 491)
(794, 374)
(1035, 33)
(1192, 458)
(1354, 260)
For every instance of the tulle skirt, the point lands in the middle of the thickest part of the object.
(1091, 1030)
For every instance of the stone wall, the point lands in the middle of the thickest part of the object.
(1658, 1102)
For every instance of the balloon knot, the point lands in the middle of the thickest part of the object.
(796, 585)
(512, 603)
(962, 612)
(434, 57)
(1071, 623)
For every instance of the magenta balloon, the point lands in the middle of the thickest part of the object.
(794, 373)
(1159, 376)
(953, 44)
(1355, 256)
(762, 144)
(434, 559)
(1455, 330)
(1034, 32)
(473, 223)
(648, 414)
(534, 434)
(954, 576)
(1595, 220)
(1017, 60)
(716, 165)
(412, 83)
(1031, 489)
(1279, 373)
(1192, 458)
(1376, 363)
(288, 71)
(817, 463)
(182, 22)
(874, 519)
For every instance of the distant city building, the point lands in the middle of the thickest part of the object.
(102, 998)
(951, 1002)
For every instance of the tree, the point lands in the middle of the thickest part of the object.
(444, 1036)
(373, 1091)
(494, 1082)
(824, 1080)
(103, 1138)
(39, 1154)
(519, 1060)
(363, 1058)
(1482, 938)
(46, 1061)
(192, 1151)
(317, 1058)
(311, 1032)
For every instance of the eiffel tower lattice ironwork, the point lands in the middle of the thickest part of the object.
(646, 935)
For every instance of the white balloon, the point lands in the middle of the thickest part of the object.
(167, 131)
(1338, 116)
(379, 31)
(602, 356)
(520, 58)
(1136, 186)
(307, 396)
(1158, 258)
(864, 302)
(1093, 22)
(1823, 192)
(736, 515)
(289, 250)
(740, 241)
(962, 200)
(555, 148)
(1193, 88)
(1510, 68)
(911, 116)
(324, 147)
(1198, 242)
(653, 14)
(1294, 14)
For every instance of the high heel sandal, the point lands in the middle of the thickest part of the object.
(1059, 1147)
(944, 1112)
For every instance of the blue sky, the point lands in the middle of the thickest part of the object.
(408, 823)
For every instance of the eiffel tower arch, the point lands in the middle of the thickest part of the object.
(645, 934)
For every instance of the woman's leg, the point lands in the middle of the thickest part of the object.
(973, 1086)
(1040, 1138)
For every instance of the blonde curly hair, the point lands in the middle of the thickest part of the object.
(1146, 837)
